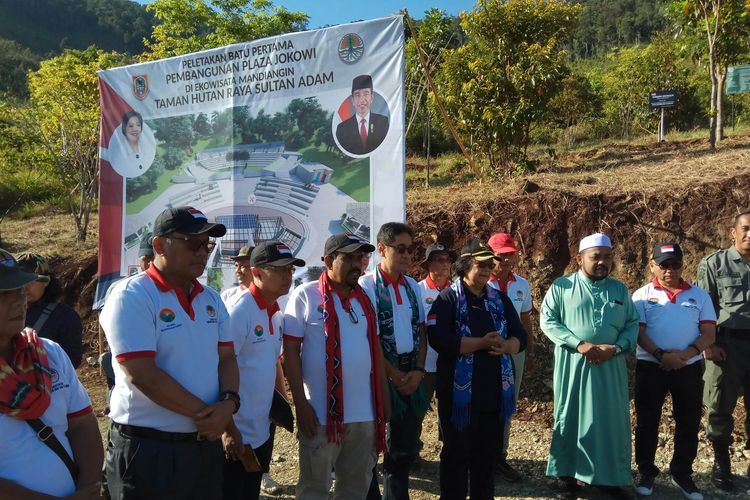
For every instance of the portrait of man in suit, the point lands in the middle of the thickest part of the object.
(364, 131)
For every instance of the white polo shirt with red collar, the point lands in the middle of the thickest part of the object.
(402, 312)
(24, 458)
(672, 321)
(518, 291)
(147, 317)
(303, 322)
(430, 290)
(256, 332)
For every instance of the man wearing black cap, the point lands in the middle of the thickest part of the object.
(243, 274)
(364, 131)
(334, 366)
(176, 376)
(677, 322)
(255, 323)
(145, 251)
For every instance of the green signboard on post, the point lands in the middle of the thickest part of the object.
(738, 79)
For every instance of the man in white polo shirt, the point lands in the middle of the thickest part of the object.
(255, 322)
(334, 367)
(398, 304)
(518, 291)
(176, 376)
(438, 259)
(677, 323)
(243, 274)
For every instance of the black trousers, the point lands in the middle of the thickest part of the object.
(140, 468)
(242, 485)
(401, 445)
(469, 453)
(651, 387)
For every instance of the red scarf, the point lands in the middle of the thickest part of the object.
(335, 406)
(25, 382)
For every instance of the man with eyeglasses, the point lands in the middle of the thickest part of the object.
(518, 291)
(334, 366)
(677, 322)
(725, 275)
(176, 376)
(401, 316)
(243, 274)
(592, 321)
(255, 322)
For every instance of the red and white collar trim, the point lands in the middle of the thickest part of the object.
(399, 281)
(263, 305)
(684, 285)
(504, 285)
(186, 301)
(433, 286)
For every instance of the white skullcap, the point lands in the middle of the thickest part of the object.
(594, 240)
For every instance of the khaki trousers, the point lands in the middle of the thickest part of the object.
(353, 460)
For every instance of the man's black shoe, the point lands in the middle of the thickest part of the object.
(721, 474)
(645, 485)
(615, 492)
(507, 472)
(567, 488)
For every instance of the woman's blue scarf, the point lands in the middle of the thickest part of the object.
(465, 362)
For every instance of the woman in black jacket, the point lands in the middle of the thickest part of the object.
(51, 318)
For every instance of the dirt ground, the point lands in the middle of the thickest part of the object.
(528, 450)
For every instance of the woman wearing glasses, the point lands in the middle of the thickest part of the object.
(40, 396)
(474, 328)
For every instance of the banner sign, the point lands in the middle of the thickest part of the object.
(290, 138)
(738, 79)
(662, 99)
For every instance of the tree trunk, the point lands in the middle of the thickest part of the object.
(714, 92)
(721, 79)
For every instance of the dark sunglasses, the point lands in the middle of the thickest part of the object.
(194, 244)
(402, 249)
(675, 266)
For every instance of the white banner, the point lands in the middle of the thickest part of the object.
(293, 138)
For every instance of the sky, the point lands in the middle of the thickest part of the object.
(330, 12)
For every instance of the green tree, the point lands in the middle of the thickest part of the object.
(15, 62)
(717, 34)
(500, 83)
(202, 126)
(308, 116)
(173, 158)
(175, 131)
(65, 122)
(637, 71)
(186, 26)
(436, 32)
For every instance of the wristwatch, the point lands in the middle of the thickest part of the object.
(232, 396)
(618, 350)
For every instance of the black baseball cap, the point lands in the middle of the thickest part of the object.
(188, 221)
(244, 253)
(12, 275)
(478, 250)
(273, 253)
(666, 251)
(346, 243)
(435, 248)
(145, 249)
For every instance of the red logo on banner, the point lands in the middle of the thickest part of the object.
(140, 86)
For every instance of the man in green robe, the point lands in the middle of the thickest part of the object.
(592, 321)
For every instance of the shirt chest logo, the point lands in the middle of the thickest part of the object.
(166, 315)
(258, 331)
(211, 311)
(653, 301)
(691, 303)
(519, 295)
(429, 301)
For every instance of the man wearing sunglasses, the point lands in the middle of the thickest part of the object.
(176, 376)
(677, 323)
(255, 322)
(725, 275)
(334, 366)
(401, 317)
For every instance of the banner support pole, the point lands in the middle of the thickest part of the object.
(438, 101)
